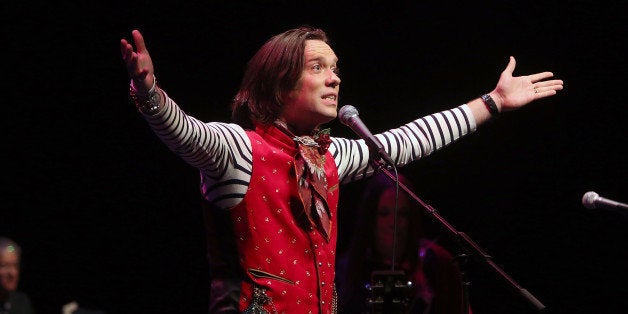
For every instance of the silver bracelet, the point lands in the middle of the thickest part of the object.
(148, 103)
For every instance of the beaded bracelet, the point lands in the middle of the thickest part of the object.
(146, 104)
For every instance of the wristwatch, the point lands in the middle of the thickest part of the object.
(490, 103)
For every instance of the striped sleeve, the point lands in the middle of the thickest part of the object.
(221, 151)
(405, 144)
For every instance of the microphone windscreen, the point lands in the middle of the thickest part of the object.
(345, 113)
(588, 199)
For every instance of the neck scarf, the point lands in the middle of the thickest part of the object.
(311, 179)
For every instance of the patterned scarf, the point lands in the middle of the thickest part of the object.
(311, 179)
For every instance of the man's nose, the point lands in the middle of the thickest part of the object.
(334, 79)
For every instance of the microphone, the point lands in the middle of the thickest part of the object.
(592, 200)
(348, 116)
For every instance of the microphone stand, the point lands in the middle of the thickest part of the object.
(465, 242)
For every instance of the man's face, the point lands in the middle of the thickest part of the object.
(314, 100)
(9, 271)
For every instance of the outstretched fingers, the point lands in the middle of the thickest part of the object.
(137, 60)
(551, 83)
(547, 88)
(139, 41)
(126, 49)
(540, 76)
(129, 57)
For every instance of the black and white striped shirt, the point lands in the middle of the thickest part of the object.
(222, 151)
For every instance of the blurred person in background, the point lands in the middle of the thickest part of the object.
(436, 279)
(12, 301)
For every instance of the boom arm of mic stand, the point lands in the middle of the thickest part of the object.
(462, 239)
(482, 257)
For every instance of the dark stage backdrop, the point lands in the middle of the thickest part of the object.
(108, 216)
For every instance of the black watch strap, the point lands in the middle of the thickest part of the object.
(490, 103)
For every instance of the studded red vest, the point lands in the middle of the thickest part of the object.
(289, 264)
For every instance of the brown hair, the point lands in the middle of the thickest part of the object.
(273, 71)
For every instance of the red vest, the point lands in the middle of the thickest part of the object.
(289, 264)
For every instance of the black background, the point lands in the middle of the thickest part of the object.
(108, 216)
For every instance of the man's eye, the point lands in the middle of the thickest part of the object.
(336, 70)
(316, 67)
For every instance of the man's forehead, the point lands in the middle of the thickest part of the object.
(317, 49)
(8, 255)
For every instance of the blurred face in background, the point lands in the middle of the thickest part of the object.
(384, 226)
(9, 270)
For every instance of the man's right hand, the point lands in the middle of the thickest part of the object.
(138, 63)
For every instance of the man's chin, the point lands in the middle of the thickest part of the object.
(332, 115)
